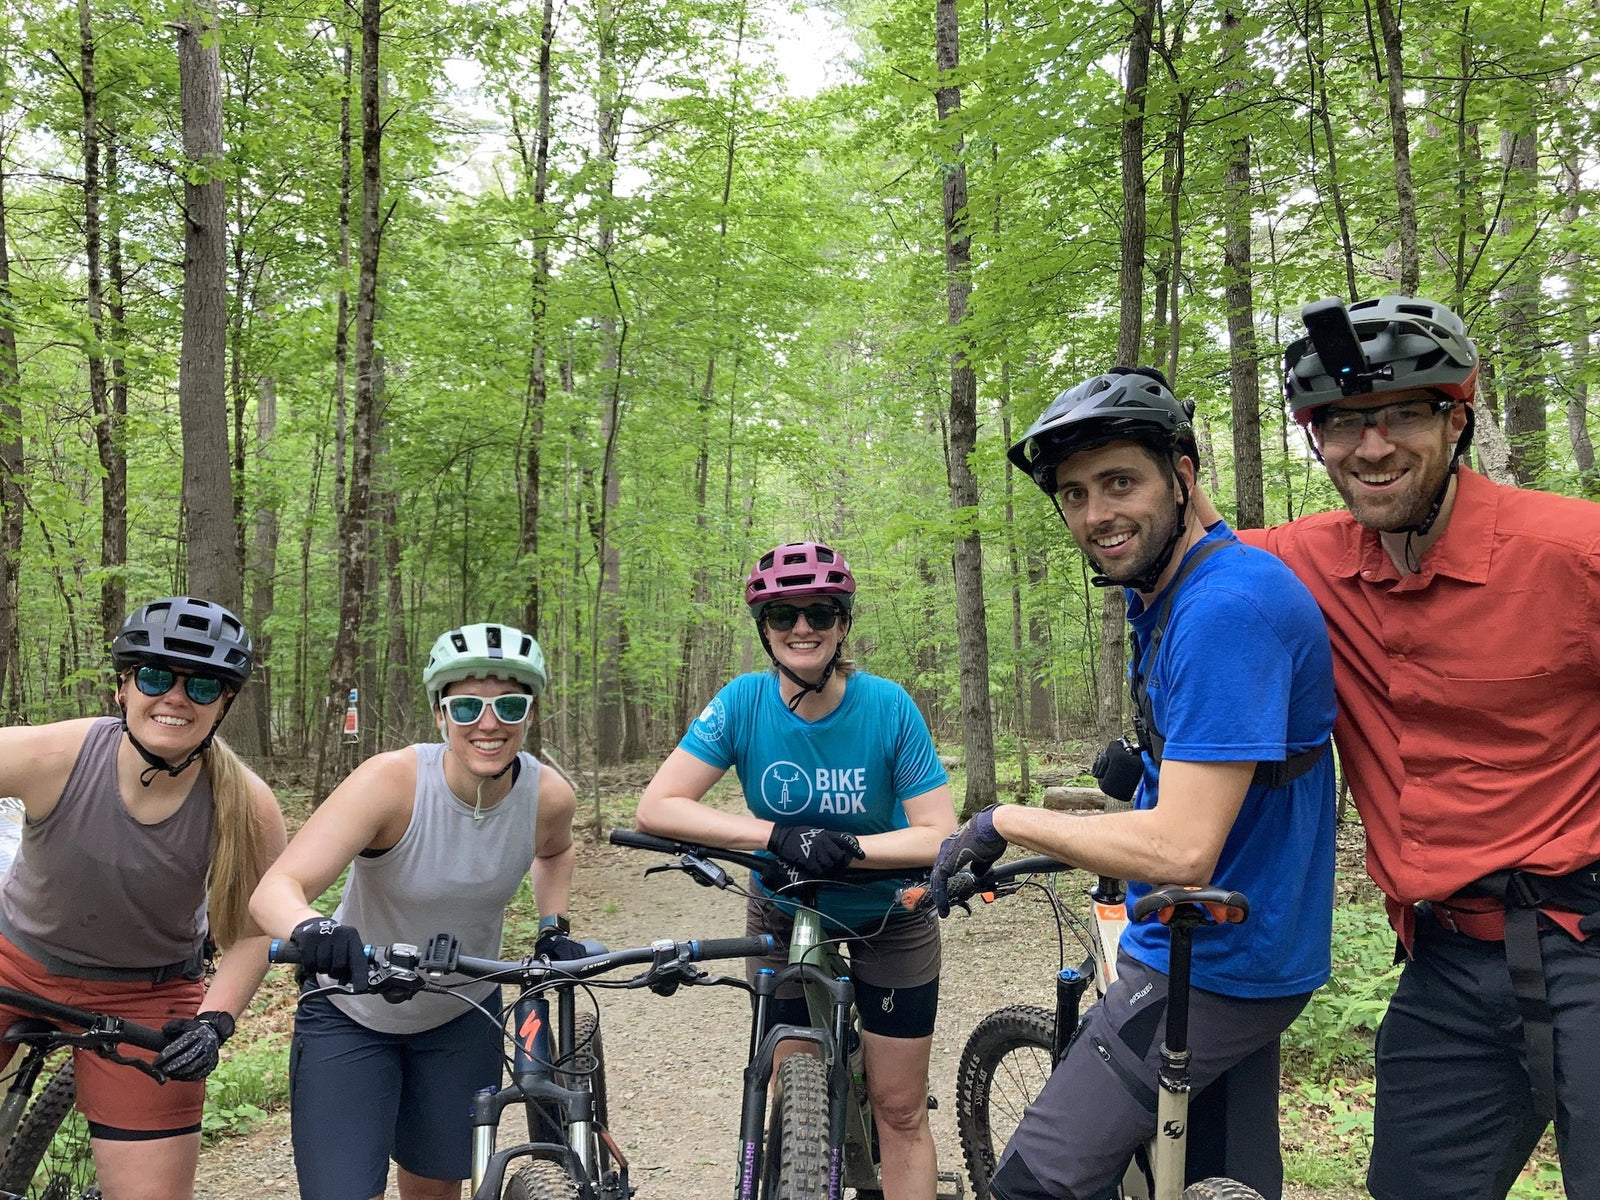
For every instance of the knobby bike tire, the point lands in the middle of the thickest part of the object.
(69, 1173)
(1003, 1066)
(795, 1166)
(1218, 1188)
(591, 1072)
(541, 1180)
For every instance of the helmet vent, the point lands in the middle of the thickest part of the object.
(835, 576)
(491, 634)
(192, 621)
(137, 637)
(795, 580)
(524, 646)
(459, 642)
(177, 645)
(793, 558)
(825, 555)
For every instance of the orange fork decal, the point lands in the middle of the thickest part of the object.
(530, 1031)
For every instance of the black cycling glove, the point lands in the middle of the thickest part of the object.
(193, 1046)
(555, 945)
(331, 949)
(814, 853)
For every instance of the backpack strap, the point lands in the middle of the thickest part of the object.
(1272, 774)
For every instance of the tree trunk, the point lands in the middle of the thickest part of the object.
(11, 475)
(342, 670)
(107, 436)
(1021, 650)
(264, 566)
(202, 378)
(977, 726)
(607, 632)
(536, 173)
(1130, 277)
(1405, 197)
(1329, 176)
(1244, 378)
(400, 720)
(1519, 364)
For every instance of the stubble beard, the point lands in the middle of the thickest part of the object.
(1155, 537)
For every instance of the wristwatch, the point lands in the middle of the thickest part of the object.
(556, 921)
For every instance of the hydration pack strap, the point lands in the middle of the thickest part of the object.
(1272, 774)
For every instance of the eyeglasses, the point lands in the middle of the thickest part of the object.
(1343, 428)
(158, 681)
(509, 709)
(821, 617)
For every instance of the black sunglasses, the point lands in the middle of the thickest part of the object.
(821, 617)
(158, 681)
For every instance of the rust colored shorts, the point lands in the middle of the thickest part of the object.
(119, 1102)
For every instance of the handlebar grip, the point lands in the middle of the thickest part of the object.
(283, 952)
(740, 947)
(644, 841)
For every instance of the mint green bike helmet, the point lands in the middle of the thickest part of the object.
(482, 651)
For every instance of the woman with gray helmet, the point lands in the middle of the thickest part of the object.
(437, 837)
(145, 834)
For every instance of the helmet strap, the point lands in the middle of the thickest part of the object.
(805, 685)
(1147, 581)
(159, 764)
(1421, 528)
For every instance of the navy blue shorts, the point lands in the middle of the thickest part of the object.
(359, 1098)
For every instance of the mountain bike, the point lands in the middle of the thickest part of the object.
(557, 1072)
(36, 1162)
(818, 1137)
(1012, 1051)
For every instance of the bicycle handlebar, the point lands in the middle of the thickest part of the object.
(114, 1029)
(756, 862)
(405, 957)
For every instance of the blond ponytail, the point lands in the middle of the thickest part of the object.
(236, 843)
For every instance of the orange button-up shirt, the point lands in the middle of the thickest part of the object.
(1469, 692)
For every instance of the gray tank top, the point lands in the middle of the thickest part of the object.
(448, 873)
(93, 886)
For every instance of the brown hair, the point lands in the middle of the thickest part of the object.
(236, 843)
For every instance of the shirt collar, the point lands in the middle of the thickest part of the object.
(1462, 552)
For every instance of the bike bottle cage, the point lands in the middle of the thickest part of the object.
(1148, 735)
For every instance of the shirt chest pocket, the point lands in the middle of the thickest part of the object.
(1504, 721)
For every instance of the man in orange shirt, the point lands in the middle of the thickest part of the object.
(1465, 622)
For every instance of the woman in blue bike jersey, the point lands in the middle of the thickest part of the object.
(838, 769)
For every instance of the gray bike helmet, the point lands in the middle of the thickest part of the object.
(1126, 403)
(482, 651)
(188, 633)
(1408, 343)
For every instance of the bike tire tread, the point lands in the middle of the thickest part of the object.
(796, 1165)
(51, 1105)
(1020, 1026)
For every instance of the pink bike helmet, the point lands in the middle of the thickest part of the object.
(798, 569)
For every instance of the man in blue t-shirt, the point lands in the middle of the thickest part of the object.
(1233, 692)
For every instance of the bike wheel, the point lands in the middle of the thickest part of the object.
(796, 1164)
(541, 1180)
(1218, 1188)
(587, 1068)
(1003, 1067)
(49, 1157)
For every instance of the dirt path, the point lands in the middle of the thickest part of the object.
(673, 1064)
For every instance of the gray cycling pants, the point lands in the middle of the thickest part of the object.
(1099, 1105)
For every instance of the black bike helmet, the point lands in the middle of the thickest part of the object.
(1126, 403)
(187, 633)
(1408, 343)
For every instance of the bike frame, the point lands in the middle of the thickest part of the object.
(1168, 1149)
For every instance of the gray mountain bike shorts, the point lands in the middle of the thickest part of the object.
(1099, 1105)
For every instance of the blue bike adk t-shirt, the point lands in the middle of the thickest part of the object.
(849, 771)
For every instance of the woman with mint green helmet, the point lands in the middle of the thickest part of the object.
(437, 837)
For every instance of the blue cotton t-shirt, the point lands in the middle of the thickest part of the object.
(849, 771)
(1244, 673)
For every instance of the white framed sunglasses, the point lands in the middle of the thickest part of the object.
(509, 709)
